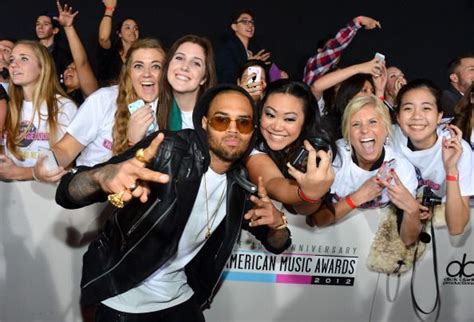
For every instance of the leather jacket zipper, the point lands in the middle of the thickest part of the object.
(132, 248)
(139, 221)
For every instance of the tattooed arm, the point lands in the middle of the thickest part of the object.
(92, 185)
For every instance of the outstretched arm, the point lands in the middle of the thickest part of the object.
(373, 67)
(105, 27)
(330, 54)
(87, 80)
(88, 186)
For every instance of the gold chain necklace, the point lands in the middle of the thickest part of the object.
(214, 214)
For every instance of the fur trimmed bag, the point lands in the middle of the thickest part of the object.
(388, 254)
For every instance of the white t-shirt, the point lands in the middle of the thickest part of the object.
(93, 124)
(349, 177)
(38, 133)
(430, 164)
(187, 120)
(168, 287)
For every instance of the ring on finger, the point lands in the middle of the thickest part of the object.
(116, 199)
(140, 156)
(132, 187)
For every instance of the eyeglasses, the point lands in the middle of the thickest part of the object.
(222, 123)
(246, 22)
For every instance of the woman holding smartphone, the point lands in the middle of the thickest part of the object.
(253, 76)
(289, 116)
(369, 173)
(103, 124)
(440, 154)
(38, 113)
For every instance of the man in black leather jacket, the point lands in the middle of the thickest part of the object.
(160, 257)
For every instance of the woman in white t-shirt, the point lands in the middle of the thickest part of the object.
(188, 72)
(104, 126)
(440, 154)
(38, 111)
(369, 174)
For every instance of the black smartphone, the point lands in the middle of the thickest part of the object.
(299, 159)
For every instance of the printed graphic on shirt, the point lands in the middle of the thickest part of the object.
(32, 134)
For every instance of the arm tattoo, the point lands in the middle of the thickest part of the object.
(86, 185)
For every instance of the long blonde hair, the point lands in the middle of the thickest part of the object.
(46, 91)
(127, 94)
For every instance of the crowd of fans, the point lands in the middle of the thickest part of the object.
(52, 99)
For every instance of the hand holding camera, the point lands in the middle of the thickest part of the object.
(311, 167)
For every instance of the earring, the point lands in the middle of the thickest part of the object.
(387, 141)
(347, 147)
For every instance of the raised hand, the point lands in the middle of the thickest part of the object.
(452, 149)
(368, 23)
(139, 122)
(261, 55)
(66, 16)
(110, 3)
(399, 195)
(264, 212)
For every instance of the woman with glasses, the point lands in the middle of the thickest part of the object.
(288, 119)
(187, 73)
(438, 151)
(236, 50)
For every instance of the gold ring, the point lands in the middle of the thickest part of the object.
(140, 156)
(116, 199)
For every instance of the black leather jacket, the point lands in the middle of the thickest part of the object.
(138, 239)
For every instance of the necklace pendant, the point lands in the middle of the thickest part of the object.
(208, 235)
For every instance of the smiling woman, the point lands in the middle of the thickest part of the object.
(369, 174)
(188, 72)
(105, 125)
(38, 111)
(289, 116)
(440, 153)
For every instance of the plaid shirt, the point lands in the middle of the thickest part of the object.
(319, 64)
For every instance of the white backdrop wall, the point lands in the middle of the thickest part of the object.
(323, 277)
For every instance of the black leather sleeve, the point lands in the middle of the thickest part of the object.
(63, 197)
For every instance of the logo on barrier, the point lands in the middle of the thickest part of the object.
(460, 272)
(303, 264)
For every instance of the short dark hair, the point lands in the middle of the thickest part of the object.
(455, 62)
(235, 16)
(51, 16)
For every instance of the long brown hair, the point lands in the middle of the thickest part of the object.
(166, 91)
(47, 90)
(127, 94)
